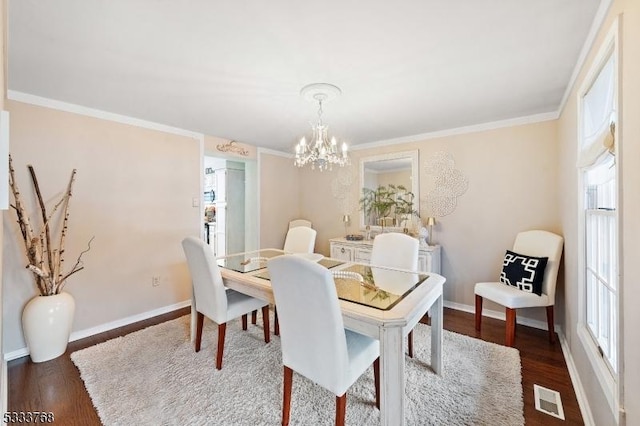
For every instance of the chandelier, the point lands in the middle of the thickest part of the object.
(321, 152)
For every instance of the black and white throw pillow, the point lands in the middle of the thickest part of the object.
(524, 272)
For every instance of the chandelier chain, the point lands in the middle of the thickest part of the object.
(320, 111)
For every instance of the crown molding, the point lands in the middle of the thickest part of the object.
(596, 24)
(274, 152)
(96, 113)
(529, 119)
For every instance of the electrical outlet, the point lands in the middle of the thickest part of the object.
(155, 281)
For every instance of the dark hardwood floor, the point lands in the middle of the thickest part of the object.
(542, 364)
(56, 385)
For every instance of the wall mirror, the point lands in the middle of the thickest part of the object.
(399, 169)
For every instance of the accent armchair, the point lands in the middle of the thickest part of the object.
(536, 243)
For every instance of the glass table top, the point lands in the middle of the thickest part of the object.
(327, 263)
(376, 287)
(256, 260)
(250, 261)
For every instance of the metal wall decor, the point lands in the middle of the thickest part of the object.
(341, 188)
(233, 147)
(446, 182)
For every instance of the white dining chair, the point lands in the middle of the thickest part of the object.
(299, 222)
(530, 243)
(300, 239)
(395, 250)
(314, 341)
(213, 300)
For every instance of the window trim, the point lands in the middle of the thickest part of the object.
(612, 385)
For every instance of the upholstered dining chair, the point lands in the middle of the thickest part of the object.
(314, 341)
(528, 246)
(300, 239)
(299, 222)
(395, 250)
(213, 300)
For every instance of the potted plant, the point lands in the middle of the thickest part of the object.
(377, 204)
(403, 208)
(393, 199)
(47, 318)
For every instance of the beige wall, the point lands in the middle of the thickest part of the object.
(133, 192)
(279, 198)
(512, 187)
(629, 163)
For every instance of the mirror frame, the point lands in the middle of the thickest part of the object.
(413, 155)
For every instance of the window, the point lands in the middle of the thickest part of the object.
(601, 257)
(598, 221)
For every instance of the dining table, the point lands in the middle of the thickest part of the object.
(380, 302)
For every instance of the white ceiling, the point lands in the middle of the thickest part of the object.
(234, 69)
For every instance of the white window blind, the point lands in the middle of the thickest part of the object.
(598, 114)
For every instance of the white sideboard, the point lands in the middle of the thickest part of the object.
(360, 251)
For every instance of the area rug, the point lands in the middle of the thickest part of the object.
(154, 377)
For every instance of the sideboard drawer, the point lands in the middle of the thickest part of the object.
(425, 263)
(341, 252)
(363, 255)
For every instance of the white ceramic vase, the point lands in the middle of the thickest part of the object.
(46, 322)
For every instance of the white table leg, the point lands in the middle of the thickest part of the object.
(436, 335)
(392, 401)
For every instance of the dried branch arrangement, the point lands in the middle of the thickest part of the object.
(45, 261)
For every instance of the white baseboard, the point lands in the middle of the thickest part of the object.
(4, 390)
(583, 402)
(81, 334)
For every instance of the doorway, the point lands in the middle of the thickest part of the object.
(230, 204)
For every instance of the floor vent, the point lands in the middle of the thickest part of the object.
(548, 401)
